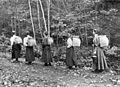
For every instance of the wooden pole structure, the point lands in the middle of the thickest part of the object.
(43, 15)
(31, 18)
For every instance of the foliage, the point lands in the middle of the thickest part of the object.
(78, 17)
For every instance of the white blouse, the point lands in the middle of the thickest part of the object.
(25, 41)
(69, 43)
(15, 38)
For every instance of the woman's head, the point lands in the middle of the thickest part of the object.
(69, 35)
(46, 33)
(99, 32)
(27, 33)
(13, 32)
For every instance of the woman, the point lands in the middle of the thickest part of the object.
(99, 58)
(29, 55)
(16, 47)
(70, 54)
(46, 51)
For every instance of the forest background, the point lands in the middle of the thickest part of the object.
(58, 18)
(78, 17)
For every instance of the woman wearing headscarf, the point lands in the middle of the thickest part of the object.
(16, 47)
(29, 43)
(99, 58)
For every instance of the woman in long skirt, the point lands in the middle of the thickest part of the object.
(99, 61)
(16, 47)
(29, 55)
(46, 51)
(100, 64)
(46, 55)
(70, 55)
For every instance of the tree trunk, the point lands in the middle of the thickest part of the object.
(15, 21)
(31, 18)
(49, 17)
(43, 15)
(38, 10)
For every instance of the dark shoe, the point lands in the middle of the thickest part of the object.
(14, 61)
(70, 67)
(29, 63)
(45, 64)
(17, 60)
(97, 71)
(50, 64)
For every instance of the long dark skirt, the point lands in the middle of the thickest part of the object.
(46, 54)
(70, 57)
(100, 62)
(29, 56)
(16, 49)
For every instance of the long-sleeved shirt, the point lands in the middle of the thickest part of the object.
(69, 42)
(12, 39)
(15, 39)
(25, 41)
(96, 40)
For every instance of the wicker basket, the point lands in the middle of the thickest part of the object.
(103, 41)
(76, 41)
(18, 40)
(31, 42)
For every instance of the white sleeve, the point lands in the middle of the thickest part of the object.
(11, 40)
(20, 39)
(35, 42)
(25, 41)
(69, 43)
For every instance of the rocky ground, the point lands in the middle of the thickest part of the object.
(37, 75)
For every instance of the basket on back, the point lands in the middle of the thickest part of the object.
(17, 40)
(76, 41)
(31, 41)
(104, 41)
(48, 41)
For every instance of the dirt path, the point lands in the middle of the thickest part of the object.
(37, 75)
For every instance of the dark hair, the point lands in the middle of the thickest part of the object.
(100, 32)
(27, 32)
(95, 30)
(46, 33)
(13, 32)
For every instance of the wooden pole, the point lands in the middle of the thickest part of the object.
(31, 18)
(43, 15)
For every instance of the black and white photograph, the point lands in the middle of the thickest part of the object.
(59, 43)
